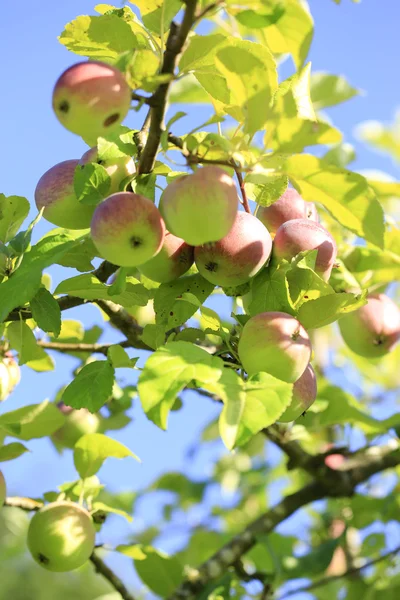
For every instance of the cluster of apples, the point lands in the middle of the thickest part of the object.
(10, 375)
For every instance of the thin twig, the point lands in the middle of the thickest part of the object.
(125, 323)
(245, 201)
(111, 577)
(80, 347)
(208, 9)
(327, 580)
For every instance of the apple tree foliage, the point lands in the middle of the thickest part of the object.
(268, 132)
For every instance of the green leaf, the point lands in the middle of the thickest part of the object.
(119, 358)
(168, 371)
(91, 183)
(172, 312)
(383, 266)
(22, 339)
(265, 187)
(249, 406)
(313, 563)
(89, 287)
(96, 506)
(256, 20)
(92, 449)
(340, 155)
(148, 562)
(145, 185)
(327, 309)
(92, 386)
(153, 335)
(13, 212)
(26, 280)
(346, 195)
(329, 90)
(156, 15)
(99, 37)
(188, 90)
(269, 292)
(33, 421)
(11, 451)
(46, 312)
(384, 138)
(80, 256)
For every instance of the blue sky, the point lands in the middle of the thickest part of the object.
(354, 40)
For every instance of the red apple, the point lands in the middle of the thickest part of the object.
(304, 394)
(372, 330)
(127, 229)
(173, 260)
(289, 206)
(238, 256)
(299, 235)
(3, 489)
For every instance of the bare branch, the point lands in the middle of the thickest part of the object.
(91, 348)
(125, 323)
(245, 201)
(111, 577)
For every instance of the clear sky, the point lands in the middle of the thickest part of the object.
(356, 40)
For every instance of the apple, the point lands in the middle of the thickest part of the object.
(118, 169)
(304, 394)
(298, 235)
(372, 330)
(127, 229)
(173, 260)
(238, 256)
(4, 382)
(55, 192)
(61, 536)
(3, 489)
(289, 206)
(200, 207)
(14, 371)
(143, 315)
(78, 423)
(91, 99)
(276, 343)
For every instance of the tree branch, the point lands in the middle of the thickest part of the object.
(327, 580)
(175, 43)
(91, 348)
(245, 201)
(111, 577)
(125, 323)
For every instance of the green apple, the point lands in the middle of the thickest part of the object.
(118, 169)
(77, 423)
(238, 256)
(3, 489)
(304, 394)
(143, 315)
(4, 382)
(55, 192)
(200, 207)
(13, 370)
(61, 536)
(276, 343)
(372, 330)
(127, 229)
(91, 99)
(173, 260)
(289, 206)
(298, 235)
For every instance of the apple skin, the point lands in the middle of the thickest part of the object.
(304, 394)
(91, 99)
(3, 489)
(4, 382)
(289, 206)
(373, 330)
(276, 343)
(127, 229)
(118, 169)
(10, 376)
(201, 207)
(299, 235)
(78, 423)
(55, 192)
(61, 536)
(174, 259)
(239, 256)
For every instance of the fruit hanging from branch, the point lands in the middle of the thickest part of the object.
(174, 259)
(276, 343)
(91, 99)
(118, 169)
(61, 536)
(374, 329)
(289, 206)
(200, 207)
(239, 256)
(127, 229)
(304, 395)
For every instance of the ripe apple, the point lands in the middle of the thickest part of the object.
(3, 489)
(78, 423)
(304, 394)
(55, 192)
(61, 536)
(200, 207)
(127, 229)
(299, 235)
(173, 260)
(276, 343)
(4, 382)
(238, 256)
(91, 99)
(372, 330)
(118, 169)
(289, 206)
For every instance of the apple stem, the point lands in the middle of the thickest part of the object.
(245, 201)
